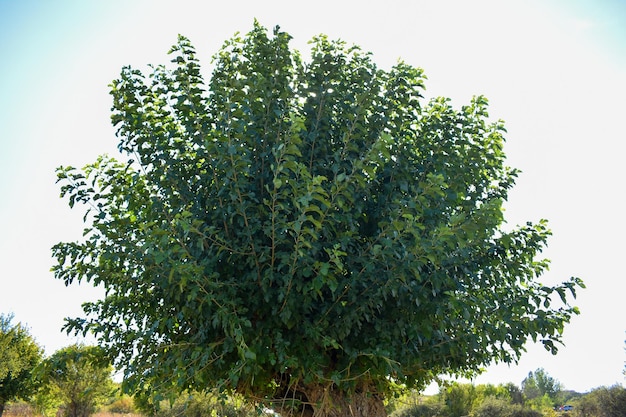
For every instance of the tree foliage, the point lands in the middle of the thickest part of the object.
(19, 355)
(303, 232)
(78, 377)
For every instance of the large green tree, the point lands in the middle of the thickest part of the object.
(19, 355)
(78, 377)
(305, 233)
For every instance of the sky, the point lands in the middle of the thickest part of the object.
(553, 70)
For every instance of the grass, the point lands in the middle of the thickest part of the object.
(26, 410)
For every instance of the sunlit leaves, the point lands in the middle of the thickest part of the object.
(19, 355)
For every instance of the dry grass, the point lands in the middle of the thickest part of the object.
(110, 414)
(19, 410)
(25, 410)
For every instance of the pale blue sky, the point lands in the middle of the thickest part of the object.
(555, 71)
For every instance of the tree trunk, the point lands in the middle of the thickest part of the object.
(1, 408)
(78, 409)
(322, 401)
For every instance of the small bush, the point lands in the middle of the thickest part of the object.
(19, 409)
(493, 407)
(519, 411)
(417, 410)
(123, 405)
(498, 407)
(207, 405)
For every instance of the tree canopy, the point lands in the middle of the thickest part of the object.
(19, 355)
(309, 233)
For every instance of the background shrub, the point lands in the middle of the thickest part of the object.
(207, 405)
(499, 407)
(494, 407)
(19, 409)
(122, 405)
(519, 411)
(417, 410)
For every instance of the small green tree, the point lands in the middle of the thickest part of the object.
(19, 355)
(306, 234)
(515, 393)
(459, 399)
(484, 391)
(539, 383)
(80, 377)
